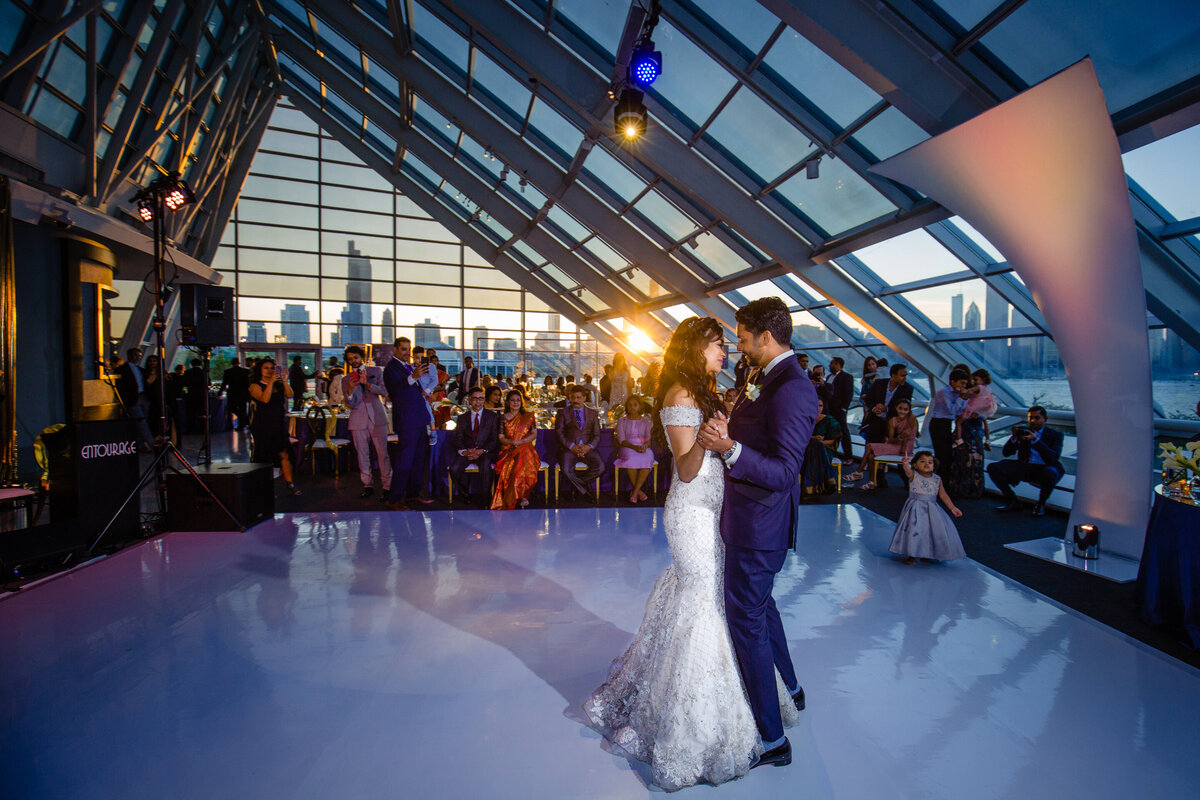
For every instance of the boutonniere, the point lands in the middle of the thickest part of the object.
(752, 391)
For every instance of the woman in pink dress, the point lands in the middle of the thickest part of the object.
(902, 431)
(633, 437)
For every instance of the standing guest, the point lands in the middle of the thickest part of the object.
(410, 423)
(236, 382)
(620, 381)
(817, 474)
(741, 371)
(902, 431)
(633, 438)
(175, 394)
(475, 439)
(869, 373)
(730, 399)
(924, 531)
(268, 391)
(360, 390)
(944, 409)
(839, 396)
(803, 359)
(298, 381)
(1038, 450)
(195, 387)
(561, 386)
(966, 474)
(650, 379)
(518, 463)
(441, 412)
(880, 403)
(493, 399)
(606, 385)
(592, 390)
(468, 379)
(131, 389)
(428, 383)
(817, 376)
(578, 430)
(152, 374)
(504, 383)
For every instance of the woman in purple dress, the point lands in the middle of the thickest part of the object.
(633, 437)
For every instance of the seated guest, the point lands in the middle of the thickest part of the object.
(880, 402)
(1038, 449)
(578, 430)
(902, 431)
(475, 440)
(730, 397)
(493, 398)
(518, 463)
(633, 437)
(817, 474)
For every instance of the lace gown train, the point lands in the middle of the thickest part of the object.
(674, 699)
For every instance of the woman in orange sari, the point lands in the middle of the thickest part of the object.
(517, 466)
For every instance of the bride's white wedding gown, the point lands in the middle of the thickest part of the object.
(675, 698)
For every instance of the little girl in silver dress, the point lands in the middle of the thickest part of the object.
(924, 530)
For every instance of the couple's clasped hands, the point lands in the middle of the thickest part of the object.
(714, 434)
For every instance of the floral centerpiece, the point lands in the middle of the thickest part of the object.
(1181, 465)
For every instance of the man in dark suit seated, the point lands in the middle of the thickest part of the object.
(880, 402)
(476, 435)
(1038, 449)
(578, 431)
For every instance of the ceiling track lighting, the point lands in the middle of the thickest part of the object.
(646, 64)
(812, 170)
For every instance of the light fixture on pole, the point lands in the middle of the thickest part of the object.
(166, 192)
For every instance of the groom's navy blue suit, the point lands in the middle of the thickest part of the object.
(758, 524)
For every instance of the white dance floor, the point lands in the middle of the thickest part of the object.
(445, 655)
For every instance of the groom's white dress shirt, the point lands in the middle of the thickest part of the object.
(737, 446)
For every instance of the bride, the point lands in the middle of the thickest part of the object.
(675, 699)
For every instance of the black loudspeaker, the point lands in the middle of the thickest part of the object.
(93, 468)
(207, 317)
(247, 490)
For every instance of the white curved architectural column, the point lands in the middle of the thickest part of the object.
(1041, 177)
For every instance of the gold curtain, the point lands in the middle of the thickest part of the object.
(8, 337)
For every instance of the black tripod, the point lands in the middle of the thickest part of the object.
(166, 191)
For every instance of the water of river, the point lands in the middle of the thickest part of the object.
(1177, 398)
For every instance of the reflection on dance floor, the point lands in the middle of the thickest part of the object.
(447, 654)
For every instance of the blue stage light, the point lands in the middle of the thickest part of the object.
(645, 66)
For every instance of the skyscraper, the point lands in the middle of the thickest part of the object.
(295, 323)
(256, 332)
(972, 318)
(356, 314)
(427, 334)
(387, 330)
(956, 312)
(996, 317)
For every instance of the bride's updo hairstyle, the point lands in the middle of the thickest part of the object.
(683, 363)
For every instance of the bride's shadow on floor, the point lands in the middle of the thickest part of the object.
(534, 618)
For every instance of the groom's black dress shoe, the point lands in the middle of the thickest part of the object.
(776, 757)
(798, 698)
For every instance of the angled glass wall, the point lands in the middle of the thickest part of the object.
(323, 251)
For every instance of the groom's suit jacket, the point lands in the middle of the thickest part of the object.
(762, 489)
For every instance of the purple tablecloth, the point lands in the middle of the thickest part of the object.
(1168, 582)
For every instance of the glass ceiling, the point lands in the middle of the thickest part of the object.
(498, 112)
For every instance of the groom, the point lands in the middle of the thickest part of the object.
(762, 444)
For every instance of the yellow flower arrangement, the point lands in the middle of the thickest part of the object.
(1186, 457)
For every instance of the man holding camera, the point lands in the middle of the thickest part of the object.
(1038, 449)
(360, 389)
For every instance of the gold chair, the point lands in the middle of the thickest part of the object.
(885, 462)
(321, 427)
(580, 466)
(617, 480)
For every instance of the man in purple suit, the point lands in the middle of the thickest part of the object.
(762, 444)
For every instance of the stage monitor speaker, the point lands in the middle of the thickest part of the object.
(247, 490)
(207, 316)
